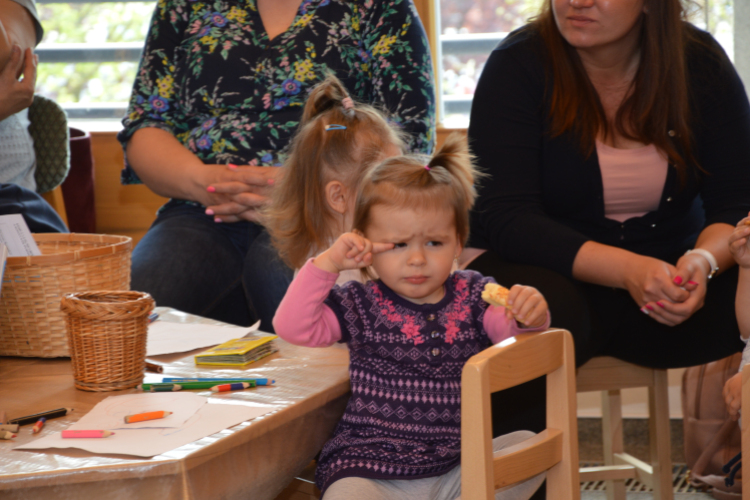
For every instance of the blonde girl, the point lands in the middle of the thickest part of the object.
(337, 140)
(409, 332)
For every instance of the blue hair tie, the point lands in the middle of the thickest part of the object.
(335, 126)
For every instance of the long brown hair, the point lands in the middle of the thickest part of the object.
(299, 219)
(448, 179)
(656, 111)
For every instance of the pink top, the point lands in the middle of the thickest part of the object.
(303, 319)
(633, 180)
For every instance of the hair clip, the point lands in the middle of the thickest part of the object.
(427, 167)
(347, 102)
(335, 126)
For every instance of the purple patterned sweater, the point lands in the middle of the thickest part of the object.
(403, 419)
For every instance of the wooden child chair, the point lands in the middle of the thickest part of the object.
(555, 450)
(610, 375)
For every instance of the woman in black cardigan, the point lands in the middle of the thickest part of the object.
(559, 103)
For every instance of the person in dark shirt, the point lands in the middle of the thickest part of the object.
(617, 139)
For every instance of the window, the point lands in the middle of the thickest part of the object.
(470, 29)
(89, 54)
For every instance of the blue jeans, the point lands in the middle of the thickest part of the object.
(228, 272)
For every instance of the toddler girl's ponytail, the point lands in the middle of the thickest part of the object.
(455, 158)
(327, 95)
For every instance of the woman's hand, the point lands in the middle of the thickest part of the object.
(527, 306)
(243, 190)
(350, 251)
(691, 276)
(733, 395)
(650, 280)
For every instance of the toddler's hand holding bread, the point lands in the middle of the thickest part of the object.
(524, 303)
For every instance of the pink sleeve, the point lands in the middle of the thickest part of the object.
(302, 318)
(500, 328)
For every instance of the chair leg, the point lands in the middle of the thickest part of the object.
(659, 436)
(612, 438)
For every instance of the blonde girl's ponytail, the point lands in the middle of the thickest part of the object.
(325, 96)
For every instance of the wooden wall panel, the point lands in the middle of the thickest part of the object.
(125, 210)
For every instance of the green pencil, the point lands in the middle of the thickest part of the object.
(171, 386)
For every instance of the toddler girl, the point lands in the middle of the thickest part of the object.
(336, 142)
(409, 333)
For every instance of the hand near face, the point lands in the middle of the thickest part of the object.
(733, 395)
(350, 251)
(526, 305)
(17, 94)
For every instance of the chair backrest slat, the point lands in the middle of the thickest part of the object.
(528, 458)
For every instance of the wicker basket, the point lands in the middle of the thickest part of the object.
(107, 333)
(31, 323)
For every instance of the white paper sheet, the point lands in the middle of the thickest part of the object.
(210, 419)
(108, 414)
(166, 337)
(16, 235)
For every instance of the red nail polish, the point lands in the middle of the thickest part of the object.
(209, 211)
(691, 282)
(660, 304)
(211, 189)
(678, 280)
(231, 165)
(649, 307)
(216, 219)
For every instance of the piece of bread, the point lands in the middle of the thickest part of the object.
(495, 294)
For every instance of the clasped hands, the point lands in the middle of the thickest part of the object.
(669, 294)
(239, 192)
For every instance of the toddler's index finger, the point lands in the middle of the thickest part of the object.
(381, 247)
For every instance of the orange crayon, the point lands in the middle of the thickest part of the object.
(142, 417)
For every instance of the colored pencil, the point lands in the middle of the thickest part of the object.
(9, 427)
(258, 381)
(235, 386)
(86, 434)
(38, 425)
(164, 388)
(154, 367)
(32, 419)
(142, 417)
(181, 386)
(7, 435)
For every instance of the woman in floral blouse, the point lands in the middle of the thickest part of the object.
(218, 95)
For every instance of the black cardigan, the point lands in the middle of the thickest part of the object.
(544, 198)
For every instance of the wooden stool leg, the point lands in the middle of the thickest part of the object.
(659, 436)
(612, 438)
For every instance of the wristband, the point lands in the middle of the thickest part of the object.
(713, 265)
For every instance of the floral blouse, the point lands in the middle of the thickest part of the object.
(210, 76)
